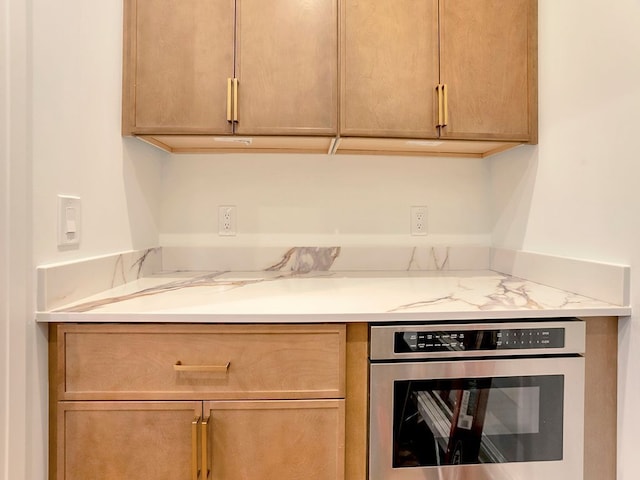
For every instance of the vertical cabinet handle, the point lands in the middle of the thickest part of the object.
(205, 449)
(446, 105)
(440, 105)
(235, 100)
(229, 89)
(232, 100)
(195, 473)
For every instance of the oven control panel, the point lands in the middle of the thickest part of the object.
(479, 340)
(461, 339)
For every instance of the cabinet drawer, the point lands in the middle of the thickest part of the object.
(180, 362)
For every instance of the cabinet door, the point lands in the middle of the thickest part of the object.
(182, 55)
(127, 440)
(389, 68)
(488, 62)
(283, 440)
(286, 64)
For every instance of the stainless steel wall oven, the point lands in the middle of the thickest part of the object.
(462, 401)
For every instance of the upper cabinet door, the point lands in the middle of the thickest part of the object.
(287, 67)
(181, 56)
(488, 64)
(389, 68)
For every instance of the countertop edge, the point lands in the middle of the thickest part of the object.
(365, 317)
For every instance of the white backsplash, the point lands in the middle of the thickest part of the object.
(607, 282)
(61, 284)
(336, 258)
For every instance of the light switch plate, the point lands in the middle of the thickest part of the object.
(69, 221)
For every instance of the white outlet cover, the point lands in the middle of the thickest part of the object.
(227, 220)
(418, 220)
(69, 221)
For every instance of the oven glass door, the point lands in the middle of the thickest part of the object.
(478, 420)
(513, 418)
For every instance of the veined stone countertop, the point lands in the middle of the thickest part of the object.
(328, 296)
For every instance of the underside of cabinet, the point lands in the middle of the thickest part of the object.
(237, 144)
(327, 145)
(416, 147)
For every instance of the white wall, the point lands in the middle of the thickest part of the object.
(578, 194)
(19, 422)
(59, 133)
(324, 200)
(77, 145)
(4, 238)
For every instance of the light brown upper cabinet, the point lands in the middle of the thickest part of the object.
(447, 69)
(222, 67)
(389, 68)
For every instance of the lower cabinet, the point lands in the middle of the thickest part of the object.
(199, 413)
(245, 402)
(132, 440)
(235, 440)
(297, 439)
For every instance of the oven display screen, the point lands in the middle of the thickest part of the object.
(478, 340)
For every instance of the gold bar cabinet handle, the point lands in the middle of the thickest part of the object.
(440, 105)
(446, 105)
(229, 88)
(235, 100)
(195, 473)
(205, 448)
(179, 367)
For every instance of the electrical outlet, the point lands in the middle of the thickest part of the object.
(227, 220)
(419, 220)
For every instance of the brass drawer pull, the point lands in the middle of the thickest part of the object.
(179, 367)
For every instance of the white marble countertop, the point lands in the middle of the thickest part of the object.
(328, 296)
